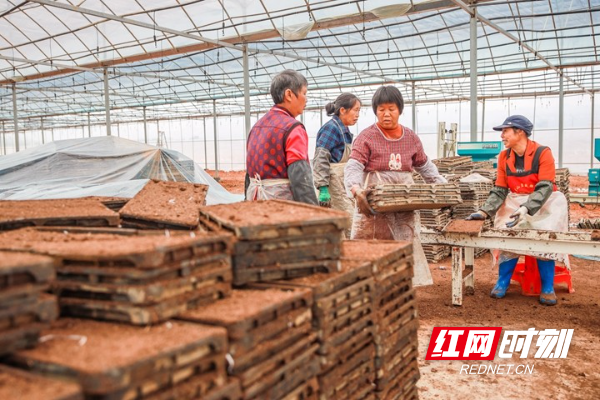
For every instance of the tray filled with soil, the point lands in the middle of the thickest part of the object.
(16, 214)
(119, 361)
(165, 205)
(19, 384)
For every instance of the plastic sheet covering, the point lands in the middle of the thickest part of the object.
(475, 178)
(296, 32)
(98, 166)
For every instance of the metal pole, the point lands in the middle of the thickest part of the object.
(414, 107)
(3, 138)
(89, 126)
(483, 121)
(15, 116)
(561, 106)
(592, 134)
(473, 67)
(246, 97)
(52, 133)
(42, 128)
(145, 127)
(107, 102)
(216, 149)
(205, 145)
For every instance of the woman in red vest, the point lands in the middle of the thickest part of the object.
(525, 197)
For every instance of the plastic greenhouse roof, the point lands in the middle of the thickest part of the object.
(175, 57)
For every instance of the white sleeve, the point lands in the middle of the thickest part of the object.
(353, 175)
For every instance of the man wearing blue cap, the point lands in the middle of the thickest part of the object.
(525, 196)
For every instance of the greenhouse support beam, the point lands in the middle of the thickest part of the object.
(414, 107)
(216, 148)
(591, 134)
(107, 102)
(42, 128)
(205, 145)
(473, 73)
(561, 112)
(515, 39)
(89, 125)
(3, 138)
(246, 96)
(15, 115)
(145, 126)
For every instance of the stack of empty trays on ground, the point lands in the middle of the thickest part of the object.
(436, 219)
(24, 309)
(417, 196)
(172, 361)
(131, 278)
(474, 190)
(344, 320)
(272, 349)
(395, 309)
(278, 239)
(454, 165)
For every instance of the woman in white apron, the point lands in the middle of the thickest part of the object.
(387, 152)
(334, 144)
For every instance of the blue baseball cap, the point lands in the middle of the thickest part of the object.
(518, 122)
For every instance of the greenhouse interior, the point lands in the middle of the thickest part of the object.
(126, 173)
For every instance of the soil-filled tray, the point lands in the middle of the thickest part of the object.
(155, 291)
(274, 378)
(115, 250)
(404, 365)
(20, 338)
(308, 390)
(16, 214)
(137, 276)
(23, 276)
(346, 378)
(43, 309)
(397, 313)
(384, 255)
(334, 351)
(269, 252)
(16, 384)
(243, 276)
(407, 197)
(174, 204)
(248, 310)
(270, 219)
(108, 358)
(144, 314)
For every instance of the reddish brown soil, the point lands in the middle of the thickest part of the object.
(576, 377)
(18, 384)
(114, 345)
(462, 226)
(13, 259)
(172, 202)
(233, 181)
(372, 250)
(269, 212)
(73, 245)
(11, 210)
(242, 304)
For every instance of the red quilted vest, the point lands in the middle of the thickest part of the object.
(266, 144)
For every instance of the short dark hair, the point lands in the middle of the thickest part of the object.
(288, 79)
(385, 95)
(344, 100)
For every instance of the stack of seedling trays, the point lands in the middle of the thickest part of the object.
(16, 214)
(272, 348)
(344, 319)
(436, 219)
(450, 165)
(400, 197)
(135, 279)
(395, 305)
(278, 239)
(113, 203)
(585, 223)
(165, 205)
(563, 177)
(16, 384)
(474, 195)
(24, 309)
(489, 173)
(175, 360)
